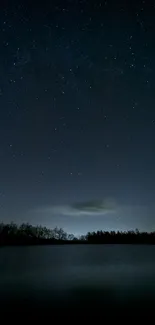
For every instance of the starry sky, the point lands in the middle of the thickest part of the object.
(77, 114)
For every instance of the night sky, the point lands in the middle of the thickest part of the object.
(77, 114)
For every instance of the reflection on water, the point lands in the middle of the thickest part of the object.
(77, 274)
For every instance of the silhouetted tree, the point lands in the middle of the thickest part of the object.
(70, 237)
(59, 234)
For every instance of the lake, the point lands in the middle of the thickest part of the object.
(77, 275)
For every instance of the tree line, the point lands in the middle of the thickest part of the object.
(26, 234)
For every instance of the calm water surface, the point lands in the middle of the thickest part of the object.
(77, 275)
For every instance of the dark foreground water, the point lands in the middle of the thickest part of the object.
(46, 278)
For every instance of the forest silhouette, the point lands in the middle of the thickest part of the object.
(27, 234)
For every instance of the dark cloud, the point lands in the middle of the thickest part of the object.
(92, 207)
